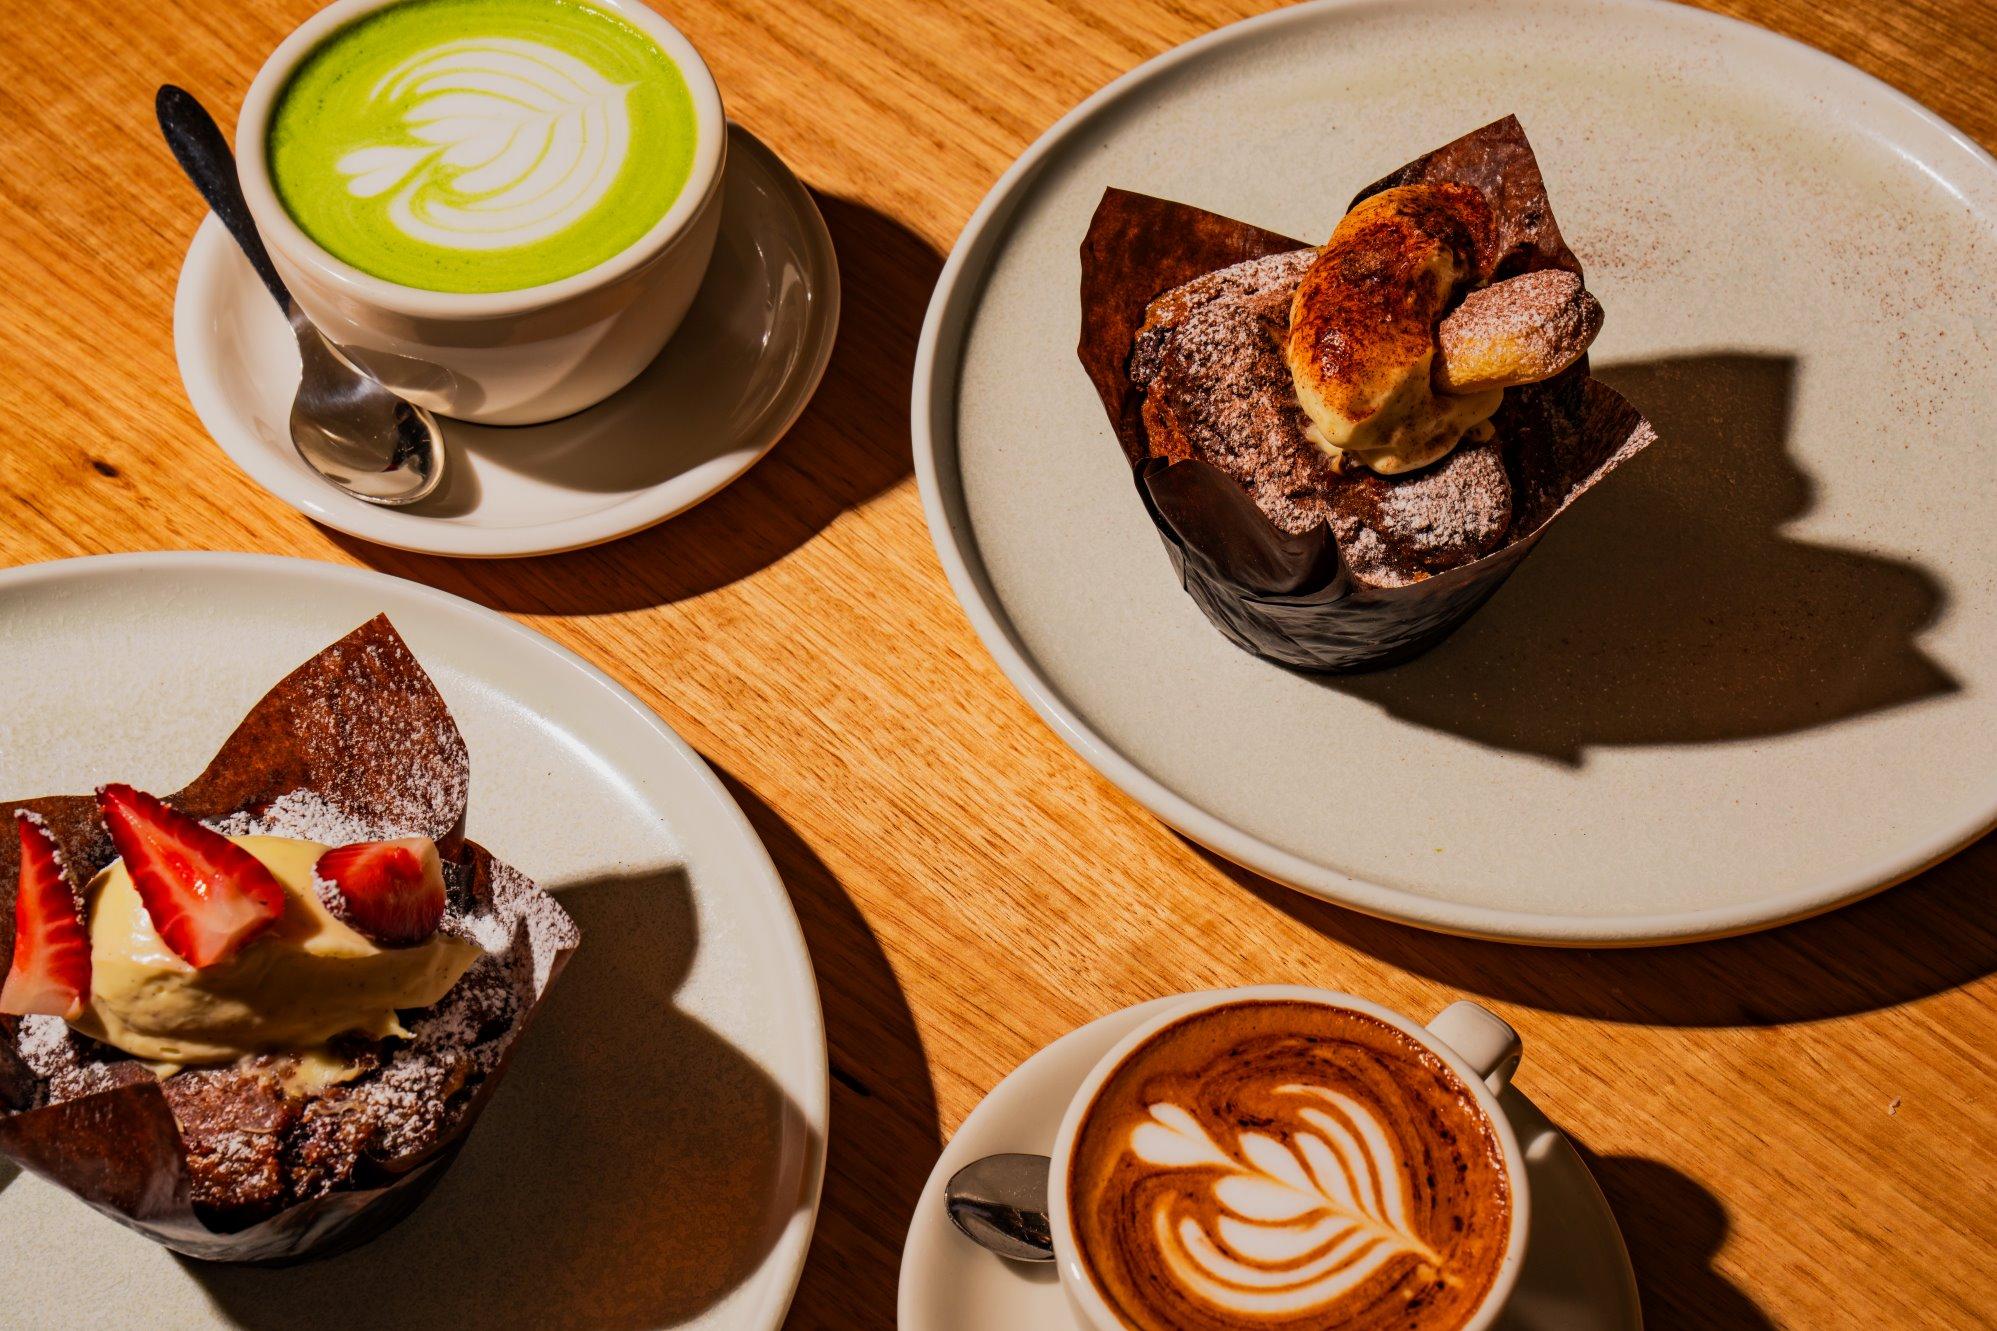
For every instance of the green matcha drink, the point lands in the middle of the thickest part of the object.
(481, 145)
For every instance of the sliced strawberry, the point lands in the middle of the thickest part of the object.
(51, 969)
(392, 891)
(206, 895)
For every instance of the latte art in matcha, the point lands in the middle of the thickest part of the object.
(482, 145)
(514, 142)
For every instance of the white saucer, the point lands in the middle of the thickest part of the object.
(734, 378)
(1577, 1275)
(655, 1155)
(1748, 678)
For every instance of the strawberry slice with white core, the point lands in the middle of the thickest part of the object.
(392, 891)
(205, 895)
(51, 969)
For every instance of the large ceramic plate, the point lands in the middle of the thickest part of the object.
(1750, 677)
(654, 1156)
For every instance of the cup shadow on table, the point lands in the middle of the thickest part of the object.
(1671, 1226)
(621, 1177)
(885, 1134)
(850, 446)
(1671, 605)
(1674, 1228)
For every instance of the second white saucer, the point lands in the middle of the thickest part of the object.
(1577, 1274)
(734, 378)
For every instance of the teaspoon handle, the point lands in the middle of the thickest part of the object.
(204, 155)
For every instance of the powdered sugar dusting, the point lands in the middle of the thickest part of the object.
(536, 925)
(524, 935)
(390, 727)
(68, 1064)
(1461, 503)
(305, 816)
(41, 1040)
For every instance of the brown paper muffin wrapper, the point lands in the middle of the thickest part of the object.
(1294, 598)
(360, 727)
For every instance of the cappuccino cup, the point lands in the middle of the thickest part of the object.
(501, 209)
(1280, 1158)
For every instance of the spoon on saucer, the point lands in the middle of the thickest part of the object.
(346, 425)
(1000, 1202)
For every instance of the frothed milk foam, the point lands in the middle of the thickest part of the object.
(1283, 1165)
(482, 145)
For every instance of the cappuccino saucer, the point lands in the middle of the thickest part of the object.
(1577, 1274)
(736, 375)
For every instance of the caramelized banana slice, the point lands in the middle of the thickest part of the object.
(1518, 331)
(1361, 345)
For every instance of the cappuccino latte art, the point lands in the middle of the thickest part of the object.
(1289, 1165)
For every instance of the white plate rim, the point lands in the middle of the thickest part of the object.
(409, 531)
(932, 408)
(793, 1247)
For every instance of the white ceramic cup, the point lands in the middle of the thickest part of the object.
(1479, 1047)
(503, 357)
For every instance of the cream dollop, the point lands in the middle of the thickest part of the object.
(309, 978)
(1413, 426)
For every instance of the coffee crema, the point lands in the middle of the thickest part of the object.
(1284, 1165)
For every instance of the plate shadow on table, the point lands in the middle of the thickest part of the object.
(1671, 605)
(1674, 1228)
(885, 1135)
(1931, 934)
(850, 446)
(621, 1178)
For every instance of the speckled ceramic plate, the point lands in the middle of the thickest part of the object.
(1750, 677)
(654, 1156)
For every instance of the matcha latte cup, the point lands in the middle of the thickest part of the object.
(501, 209)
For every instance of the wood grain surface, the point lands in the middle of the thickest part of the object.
(1797, 1129)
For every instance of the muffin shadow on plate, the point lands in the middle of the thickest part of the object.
(627, 1182)
(1680, 609)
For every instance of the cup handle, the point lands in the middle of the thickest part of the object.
(1483, 1039)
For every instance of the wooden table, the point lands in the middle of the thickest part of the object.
(1797, 1129)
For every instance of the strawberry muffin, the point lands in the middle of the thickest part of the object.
(318, 986)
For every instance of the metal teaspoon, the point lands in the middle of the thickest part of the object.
(347, 426)
(1000, 1203)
